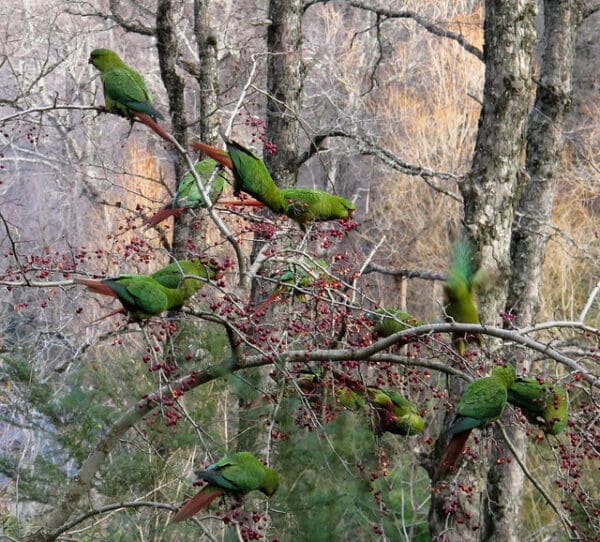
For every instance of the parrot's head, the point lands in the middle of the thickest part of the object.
(104, 59)
(271, 483)
(506, 373)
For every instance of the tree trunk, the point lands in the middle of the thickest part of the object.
(490, 193)
(284, 84)
(208, 75)
(529, 238)
(207, 107)
(166, 43)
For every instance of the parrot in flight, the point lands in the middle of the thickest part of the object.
(250, 173)
(459, 292)
(188, 195)
(143, 296)
(303, 205)
(481, 403)
(543, 404)
(236, 474)
(390, 321)
(394, 413)
(125, 92)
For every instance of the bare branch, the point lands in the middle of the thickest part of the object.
(425, 22)
(408, 273)
(369, 148)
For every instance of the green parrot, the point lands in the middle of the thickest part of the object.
(171, 276)
(143, 296)
(237, 474)
(305, 205)
(349, 399)
(394, 413)
(460, 289)
(249, 172)
(481, 403)
(188, 195)
(125, 92)
(301, 276)
(543, 404)
(390, 321)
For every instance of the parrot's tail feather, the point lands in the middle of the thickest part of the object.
(153, 125)
(215, 153)
(118, 311)
(267, 302)
(199, 501)
(245, 202)
(451, 453)
(97, 287)
(162, 214)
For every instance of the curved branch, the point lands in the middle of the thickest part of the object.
(408, 273)
(108, 508)
(426, 23)
(564, 520)
(367, 147)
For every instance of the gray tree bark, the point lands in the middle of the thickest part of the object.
(490, 194)
(529, 237)
(285, 77)
(166, 44)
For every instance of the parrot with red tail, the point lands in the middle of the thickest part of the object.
(143, 296)
(481, 403)
(188, 195)
(250, 173)
(235, 474)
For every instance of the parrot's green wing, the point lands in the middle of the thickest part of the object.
(349, 398)
(123, 90)
(241, 472)
(171, 276)
(188, 194)
(390, 321)
(252, 176)
(483, 400)
(141, 296)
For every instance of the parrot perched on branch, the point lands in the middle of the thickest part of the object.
(303, 205)
(481, 403)
(543, 404)
(390, 321)
(125, 92)
(299, 276)
(188, 195)
(394, 413)
(460, 289)
(237, 474)
(249, 172)
(143, 296)
(251, 175)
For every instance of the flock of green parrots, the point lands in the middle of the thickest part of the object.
(143, 296)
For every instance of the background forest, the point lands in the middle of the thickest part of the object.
(436, 119)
